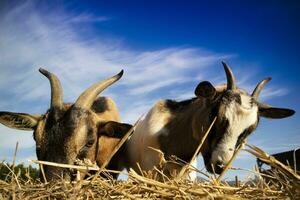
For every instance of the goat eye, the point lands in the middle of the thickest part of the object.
(90, 143)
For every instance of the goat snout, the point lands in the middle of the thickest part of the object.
(216, 167)
(219, 167)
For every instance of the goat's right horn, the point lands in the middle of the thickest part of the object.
(87, 98)
(259, 87)
(56, 89)
(231, 85)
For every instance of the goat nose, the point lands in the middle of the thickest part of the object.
(219, 163)
(219, 166)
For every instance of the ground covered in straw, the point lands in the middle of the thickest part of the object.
(138, 187)
(279, 183)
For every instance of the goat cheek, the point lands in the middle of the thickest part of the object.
(198, 134)
(91, 153)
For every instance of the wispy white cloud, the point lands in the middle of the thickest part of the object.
(156, 85)
(271, 92)
(182, 95)
(87, 17)
(57, 45)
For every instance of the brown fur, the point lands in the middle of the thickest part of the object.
(71, 133)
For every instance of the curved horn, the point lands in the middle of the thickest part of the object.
(230, 77)
(259, 87)
(86, 99)
(56, 89)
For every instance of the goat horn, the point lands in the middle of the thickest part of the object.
(230, 77)
(86, 99)
(56, 89)
(259, 87)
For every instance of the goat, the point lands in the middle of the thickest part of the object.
(88, 129)
(175, 128)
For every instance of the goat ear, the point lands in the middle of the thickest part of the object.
(274, 113)
(205, 89)
(20, 121)
(114, 129)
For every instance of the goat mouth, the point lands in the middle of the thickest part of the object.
(56, 174)
(211, 167)
(214, 169)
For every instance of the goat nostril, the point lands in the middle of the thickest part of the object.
(219, 164)
(230, 149)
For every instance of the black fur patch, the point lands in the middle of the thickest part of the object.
(229, 96)
(100, 105)
(72, 118)
(177, 105)
(246, 133)
(217, 132)
(54, 114)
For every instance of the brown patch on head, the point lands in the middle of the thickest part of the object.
(106, 110)
(105, 147)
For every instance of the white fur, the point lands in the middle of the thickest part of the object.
(193, 174)
(146, 135)
(240, 117)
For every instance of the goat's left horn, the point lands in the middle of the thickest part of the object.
(56, 89)
(86, 99)
(230, 77)
(259, 87)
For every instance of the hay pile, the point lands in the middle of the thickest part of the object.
(281, 182)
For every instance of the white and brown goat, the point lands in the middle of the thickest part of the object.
(176, 128)
(87, 129)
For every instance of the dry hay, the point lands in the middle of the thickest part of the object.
(281, 182)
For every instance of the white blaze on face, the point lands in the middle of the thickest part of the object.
(240, 117)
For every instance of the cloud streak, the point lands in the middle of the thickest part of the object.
(87, 18)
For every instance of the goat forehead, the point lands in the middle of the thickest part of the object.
(73, 125)
(241, 115)
(246, 101)
(238, 98)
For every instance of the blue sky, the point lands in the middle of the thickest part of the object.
(166, 48)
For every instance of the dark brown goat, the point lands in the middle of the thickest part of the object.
(88, 129)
